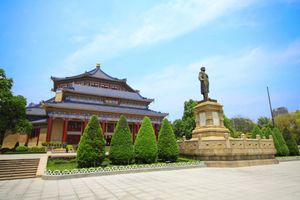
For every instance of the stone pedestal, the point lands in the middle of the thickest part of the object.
(209, 120)
(211, 142)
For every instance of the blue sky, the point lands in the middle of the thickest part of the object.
(159, 46)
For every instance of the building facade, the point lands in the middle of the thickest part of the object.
(63, 118)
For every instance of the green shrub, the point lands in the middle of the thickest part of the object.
(22, 149)
(55, 144)
(91, 148)
(69, 147)
(37, 149)
(145, 148)
(290, 142)
(266, 131)
(279, 143)
(121, 146)
(229, 126)
(167, 146)
(45, 144)
(255, 131)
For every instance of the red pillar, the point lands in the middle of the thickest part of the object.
(65, 128)
(84, 124)
(49, 129)
(133, 131)
(155, 131)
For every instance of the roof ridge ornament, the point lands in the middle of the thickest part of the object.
(98, 65)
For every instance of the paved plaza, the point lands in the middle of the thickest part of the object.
(260, 182)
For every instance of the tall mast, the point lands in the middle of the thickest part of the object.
(272, 115)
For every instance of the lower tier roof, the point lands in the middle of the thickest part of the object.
(104, 108)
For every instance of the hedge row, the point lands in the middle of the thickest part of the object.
(284, 143)
(91, 152)
(31, 149)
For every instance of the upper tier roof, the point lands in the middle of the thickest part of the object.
(83, 89)
(95, 73)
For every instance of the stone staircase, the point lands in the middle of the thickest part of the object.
(18, 168)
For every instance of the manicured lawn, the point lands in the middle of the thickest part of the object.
(70, 163)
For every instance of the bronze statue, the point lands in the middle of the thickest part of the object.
(203, 78)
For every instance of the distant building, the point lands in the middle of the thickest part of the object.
(63, 118)
(280, 111)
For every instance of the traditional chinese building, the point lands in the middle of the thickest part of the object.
(64, 117)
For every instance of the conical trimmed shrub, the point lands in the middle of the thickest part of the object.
(121, 146)
(266, 132)
(279, 143)
(145, 148)
(91, 148)
(290, 142)
(255, 131)
(167, 146)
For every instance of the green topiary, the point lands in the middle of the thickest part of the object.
(255, 131)
(22, 149)
(121, 146)
(91, 148)
(266, 131)
(290, 142)
(167, 146)
(279, 143)
(145, 148)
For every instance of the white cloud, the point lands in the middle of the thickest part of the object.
(163, 22)
(236, 81)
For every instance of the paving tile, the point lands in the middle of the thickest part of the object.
(259, 182)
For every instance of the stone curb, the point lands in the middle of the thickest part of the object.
(283, 159)
(117, 172)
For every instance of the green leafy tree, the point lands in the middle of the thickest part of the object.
(229, 126)
(256, 131)
(12, 108)
(121, 146)
(264, 121)
(279, 143)
(91, 148)
(167, 146)
(178, 128)
(290, 142)
(23, 126)
(145, 148)
(290, 121)
(188, 118)
(242, 124)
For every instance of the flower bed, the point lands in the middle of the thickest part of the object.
(109, 170)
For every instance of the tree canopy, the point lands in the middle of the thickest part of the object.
(291, 121)
(185, 125)
(12, 108)
(264, 121)
(242, 124)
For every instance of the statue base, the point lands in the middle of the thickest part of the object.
(211, 143)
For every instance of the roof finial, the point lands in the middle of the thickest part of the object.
(98, 65)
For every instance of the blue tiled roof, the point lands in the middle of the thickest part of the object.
(38, 111)
(107, 92)
(95, 73)
(104, 108)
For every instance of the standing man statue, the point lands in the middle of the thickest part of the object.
(203, 78)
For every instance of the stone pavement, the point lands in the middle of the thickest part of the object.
(280, 181)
